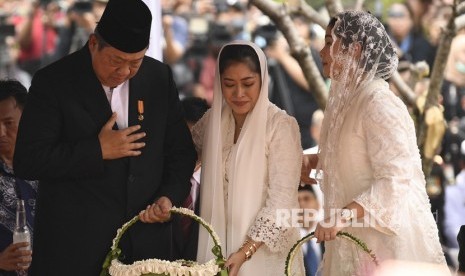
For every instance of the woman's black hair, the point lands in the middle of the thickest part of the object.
(194, 108)
(239, 53)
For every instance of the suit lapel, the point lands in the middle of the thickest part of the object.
(90, 92)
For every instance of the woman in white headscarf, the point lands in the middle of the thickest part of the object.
(373, 183)
(251, 159)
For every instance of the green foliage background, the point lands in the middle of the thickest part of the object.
(377, 7)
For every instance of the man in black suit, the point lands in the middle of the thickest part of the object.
(104, 132)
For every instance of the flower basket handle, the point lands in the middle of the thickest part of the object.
(345, 235)
(116, 252)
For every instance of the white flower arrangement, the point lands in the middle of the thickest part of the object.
(348, 236)
(160, 267)
(155, 267)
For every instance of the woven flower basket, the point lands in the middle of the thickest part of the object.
(155, 267)
(345, 235)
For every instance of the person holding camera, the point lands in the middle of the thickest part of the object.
(176, 32)
(37, 37)
(289, 89)
(79, 24)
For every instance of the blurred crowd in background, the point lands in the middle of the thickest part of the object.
(36, 33)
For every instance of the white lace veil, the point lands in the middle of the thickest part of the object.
(361, 53)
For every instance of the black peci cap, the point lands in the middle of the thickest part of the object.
(125, 25)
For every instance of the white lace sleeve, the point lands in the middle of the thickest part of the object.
(392, 151)
(284, 164)
(198, 131)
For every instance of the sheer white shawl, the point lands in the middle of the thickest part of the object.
(247, 172)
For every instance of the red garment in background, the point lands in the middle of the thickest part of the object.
(43, 38)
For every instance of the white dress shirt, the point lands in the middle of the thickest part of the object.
(118, 97)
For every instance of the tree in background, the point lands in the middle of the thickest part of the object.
(425, 106)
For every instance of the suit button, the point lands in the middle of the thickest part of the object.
(131, 178)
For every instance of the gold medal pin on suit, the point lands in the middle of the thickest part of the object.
(140, 110)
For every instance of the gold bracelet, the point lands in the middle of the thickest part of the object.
(251, 249)
(249, 244)
(254, 246)
(248, 254)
